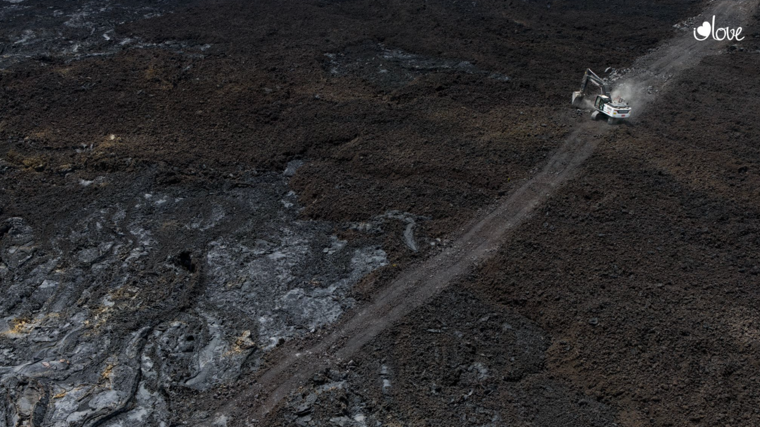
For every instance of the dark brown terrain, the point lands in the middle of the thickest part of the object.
(628, 297)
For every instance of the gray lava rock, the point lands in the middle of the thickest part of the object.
(159, 290)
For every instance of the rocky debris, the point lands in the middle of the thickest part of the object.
(376, 227)
(385, 377)
(292, 167)
(482, 366)
(330, 401)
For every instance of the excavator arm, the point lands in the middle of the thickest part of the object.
(589, 77)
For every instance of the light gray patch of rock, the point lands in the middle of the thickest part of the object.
(78, 29)
(127, 298)
(375, 226)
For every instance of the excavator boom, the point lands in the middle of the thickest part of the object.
(591, 77)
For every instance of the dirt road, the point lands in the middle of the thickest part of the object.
(476, 241)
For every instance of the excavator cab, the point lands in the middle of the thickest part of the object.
(600, 101)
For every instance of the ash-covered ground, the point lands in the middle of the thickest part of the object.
(193, 190)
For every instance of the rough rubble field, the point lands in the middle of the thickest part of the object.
(193, 190)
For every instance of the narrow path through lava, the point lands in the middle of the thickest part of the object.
(480, 238)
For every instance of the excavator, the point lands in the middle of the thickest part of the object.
(614, 110)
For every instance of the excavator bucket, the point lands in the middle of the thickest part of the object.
(577, 98)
